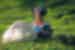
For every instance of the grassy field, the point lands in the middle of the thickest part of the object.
(7, 16)
(58, 25)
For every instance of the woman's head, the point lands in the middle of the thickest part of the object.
(39, 11)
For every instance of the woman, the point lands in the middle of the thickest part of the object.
(39, 26)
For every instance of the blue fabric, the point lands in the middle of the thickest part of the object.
(38, 28)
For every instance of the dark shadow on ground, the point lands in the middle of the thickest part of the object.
(66, 39)
(44, 40)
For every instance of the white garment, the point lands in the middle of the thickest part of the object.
(19, 31)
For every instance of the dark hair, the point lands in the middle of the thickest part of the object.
(43, 11)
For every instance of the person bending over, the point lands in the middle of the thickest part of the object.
(39, 25)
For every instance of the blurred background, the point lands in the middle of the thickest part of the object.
(61, 16)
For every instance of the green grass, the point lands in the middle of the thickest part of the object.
(58, 26)
(7, 16)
